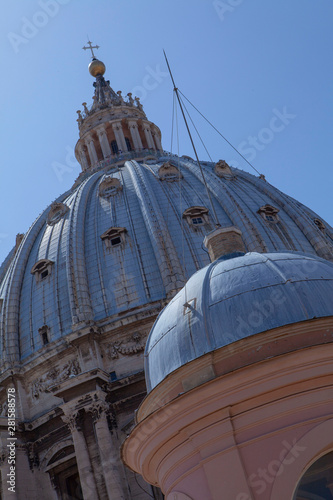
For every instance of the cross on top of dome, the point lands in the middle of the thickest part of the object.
(96, 67)
(91, 47)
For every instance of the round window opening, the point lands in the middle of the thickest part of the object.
(317, 481)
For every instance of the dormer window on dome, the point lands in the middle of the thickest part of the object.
(169, 172)
(42, 269)
(222, 169)
(110, 186)
(57, 211)
(269, 213)
(319, 224)
(114, 236)
(196, 216)
(44, 333)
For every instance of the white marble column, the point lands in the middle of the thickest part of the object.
(108, 451)
(149, 137)
(91, 150)
(133, 126)
(86, 474)
(83, 159)
(157, 141)
(119, 135)
(103, 140)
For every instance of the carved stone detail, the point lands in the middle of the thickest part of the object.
(134, 345)
(98, 409)
(73, 421)
(55, 376)
(32, 455)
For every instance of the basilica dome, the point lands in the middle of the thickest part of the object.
(121, 240)
(129, 233)
(136, 234)
(232, 299)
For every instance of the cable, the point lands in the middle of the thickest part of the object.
(173, 112)
(202, 142)
(235, 149)
(217, 224)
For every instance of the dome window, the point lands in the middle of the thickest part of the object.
(269, 213)
(114, 236)
(57, 211)
(44, 334)
(222, 169)
(42, 269)
(319, 224)
(109, 187)
(168, 172)
(196, 216)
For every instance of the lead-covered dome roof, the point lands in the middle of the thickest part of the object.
(233, 299)
(125, 239)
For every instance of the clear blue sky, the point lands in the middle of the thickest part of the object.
(242, 63)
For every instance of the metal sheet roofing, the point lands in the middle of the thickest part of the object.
(233, 299)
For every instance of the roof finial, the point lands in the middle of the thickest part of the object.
(96, 67)
(91, 47)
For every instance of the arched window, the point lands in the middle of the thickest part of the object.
(114, 147)
(222, 169)
(42, 269)
(269, 213)
(196, 216)
(110, 186)
(114, 236)
(57, 211)
(128, 144)
(319, 224)
(169, 172)
(317, 481)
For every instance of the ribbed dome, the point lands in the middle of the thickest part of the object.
(118, 242)
(233, 299)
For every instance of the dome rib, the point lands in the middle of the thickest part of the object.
(165, 252)
(135, 241)
(289, 205)
(11, 353)
(223, 196)
(81, 306)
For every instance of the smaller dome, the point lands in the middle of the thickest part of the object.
(233, 299)
(96, 67)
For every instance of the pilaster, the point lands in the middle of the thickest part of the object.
(87, 480)
(106, 150)
(83, 159)
(91, 150)
(5, 469)
(148, 135)
(133, 126)
(108, 450)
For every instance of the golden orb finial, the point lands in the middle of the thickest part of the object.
(96, 67)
